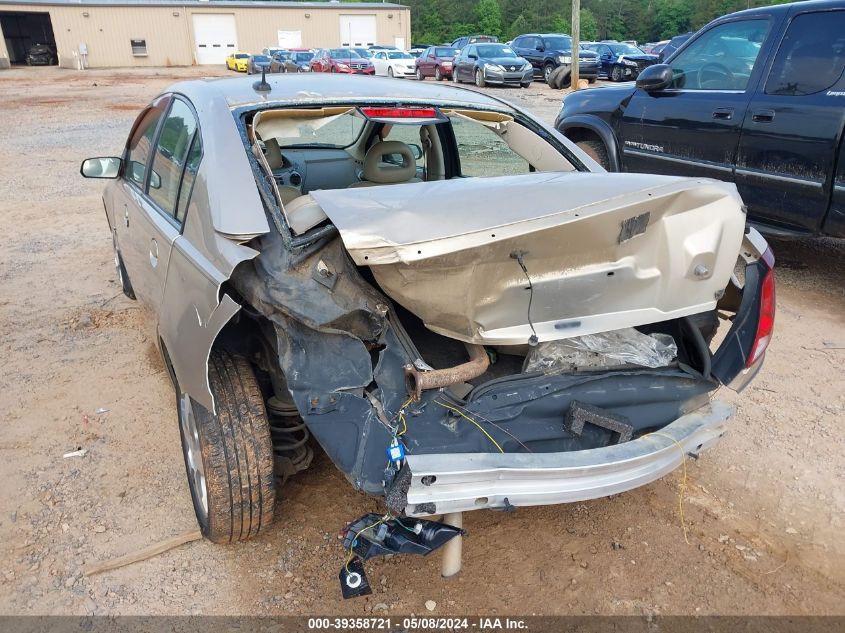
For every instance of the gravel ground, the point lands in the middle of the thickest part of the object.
(764, 510)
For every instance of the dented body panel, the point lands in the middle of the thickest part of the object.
(602, 251)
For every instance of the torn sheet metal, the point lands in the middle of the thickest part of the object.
(444, 250)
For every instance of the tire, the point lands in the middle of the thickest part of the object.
(596, 150)
(591, 80)
(527, 84)
(479, 78)
(390, 71)
(548, 69)
(419, 75)
(455, 76)
(616, 74)
(438, 76)
(229, 455)
(120, 270)
(560, 78)
(334, 70)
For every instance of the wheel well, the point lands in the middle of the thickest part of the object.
(578, 134)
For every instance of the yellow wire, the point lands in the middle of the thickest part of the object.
(402, 416)
(683, 485)
(352, 542)
(466, 417)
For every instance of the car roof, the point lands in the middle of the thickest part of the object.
(301, 88)
(793, 6)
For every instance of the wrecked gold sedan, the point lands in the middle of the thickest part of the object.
(461, 307)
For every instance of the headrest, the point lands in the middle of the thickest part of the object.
(273, 154)
(375, 170)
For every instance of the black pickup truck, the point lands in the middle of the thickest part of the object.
(756, 98)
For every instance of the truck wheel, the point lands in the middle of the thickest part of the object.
(597, 151)
(229, 455)
(547, 72)
(479, 78)
(616, 74)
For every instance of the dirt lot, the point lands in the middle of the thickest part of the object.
(764, 510)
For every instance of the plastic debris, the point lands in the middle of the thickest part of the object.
(101, 411)
(606, 349)
(77, 453)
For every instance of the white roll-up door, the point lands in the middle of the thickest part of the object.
(216, 37)
(357, 30)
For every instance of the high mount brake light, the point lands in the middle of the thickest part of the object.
(399, 113)
(766, 321)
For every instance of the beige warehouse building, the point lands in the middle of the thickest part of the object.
(115, 33)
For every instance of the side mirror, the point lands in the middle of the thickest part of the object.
(416, 150)
(654, 78)
(155, 180)
(104, 167)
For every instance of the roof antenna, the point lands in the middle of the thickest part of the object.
(262, 86)
(519, 256)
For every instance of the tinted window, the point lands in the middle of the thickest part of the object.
(811, 57)
(495, 50)
(721, 58)
(175, 140)
(344, 52)
(558, 43)
(140, 144)
(483, 153)
(191, 166)
(445, 51)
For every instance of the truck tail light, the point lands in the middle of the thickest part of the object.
(766, 322)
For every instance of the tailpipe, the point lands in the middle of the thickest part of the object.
(417, 381)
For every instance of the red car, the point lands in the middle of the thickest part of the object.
(436, 62)
(341, 60)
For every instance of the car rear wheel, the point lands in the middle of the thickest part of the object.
(596, 150)
(438, 76)
(229, 455)
(479, 78)
(419, 75)
(616, 74)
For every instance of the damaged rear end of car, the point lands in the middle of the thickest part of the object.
(464, 343)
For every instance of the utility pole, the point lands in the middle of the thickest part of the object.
(576, 44)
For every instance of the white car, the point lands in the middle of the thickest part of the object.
(394, 63)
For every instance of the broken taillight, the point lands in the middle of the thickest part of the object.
(766, 322)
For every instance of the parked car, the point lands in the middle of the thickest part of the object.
(436, 62)
(256, 63)
(282, 318)
(491, 64)
(416, 52)
(292, 61)
(237, 61)
(754, 98)
(394, 63)
(340, 60)
(621, 62)
(461, 42)
(672, 45)
(548, 51)
(273, 51)
(381, 47)
(366, 53)
(654, 48)
(41, 55)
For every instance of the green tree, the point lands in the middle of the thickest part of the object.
(589, 26)
(489, 17)
(517, 27)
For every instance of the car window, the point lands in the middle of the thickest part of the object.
(187, 187)
(558, 43)
(722, 58)
(175, 140)
(336, 131)
(140, 144)
(811, 57)
(408, 134)
(482, 153)
(445, 51)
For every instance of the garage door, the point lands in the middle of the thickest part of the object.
(357, 30)
(216, 37)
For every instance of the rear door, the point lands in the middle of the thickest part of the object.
(792, 129)
(693, 127)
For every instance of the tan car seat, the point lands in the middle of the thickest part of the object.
(377, 172)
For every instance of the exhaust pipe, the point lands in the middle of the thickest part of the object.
(417, 381)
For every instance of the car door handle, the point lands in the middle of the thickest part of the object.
(153, 253)
(763, 116)
(724, 114)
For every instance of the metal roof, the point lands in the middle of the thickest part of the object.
(302, 88)
(209, 3)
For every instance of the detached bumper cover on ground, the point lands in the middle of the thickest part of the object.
(458, 482)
